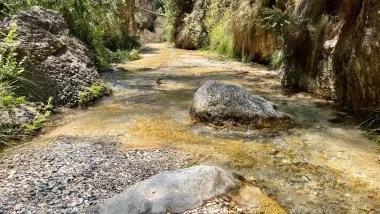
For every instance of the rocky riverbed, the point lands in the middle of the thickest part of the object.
(324, 164)
(70, 176)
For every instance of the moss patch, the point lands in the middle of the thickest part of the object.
(90, 94)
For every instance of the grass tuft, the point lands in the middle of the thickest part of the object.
(90, 94)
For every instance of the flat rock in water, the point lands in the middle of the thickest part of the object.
(171, 192)
(228, 105)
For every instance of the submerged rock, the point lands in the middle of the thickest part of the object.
(172, 192)
(228, 105)
(57, 63)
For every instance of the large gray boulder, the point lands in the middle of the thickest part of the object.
(57, 63)
(171, 192)
(228, 105)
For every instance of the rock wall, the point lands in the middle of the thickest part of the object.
(336, 55)
(57, 64)
(330, 48)
(250, 41)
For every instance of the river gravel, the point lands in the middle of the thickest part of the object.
(70, 176)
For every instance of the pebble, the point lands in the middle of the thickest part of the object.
(219, 205)
(18, 207)
(70, 176)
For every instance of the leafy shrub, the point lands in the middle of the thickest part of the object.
(120, 56)
(175, 11)
(10, 70)
(90, 94)
(373, 124)
(134, 55)
(218, 28)
(276, 60)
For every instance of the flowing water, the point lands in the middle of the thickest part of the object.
(322, 165)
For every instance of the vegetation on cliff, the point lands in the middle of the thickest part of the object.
(104, 26)
(329, 48)
(18, 117)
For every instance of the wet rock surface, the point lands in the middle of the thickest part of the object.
(57, 63)
(70, 176)
(228, 105)
(219, 205)
(172, 192)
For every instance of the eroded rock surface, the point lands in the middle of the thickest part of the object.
(172, 192)
(57, 63)
(339, 61)
(228, 105)
(16, 117)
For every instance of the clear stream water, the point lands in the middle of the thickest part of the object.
(322, 165)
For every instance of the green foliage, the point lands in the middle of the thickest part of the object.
(134, 55)
(373, 124)
(191, 34)
(120, 56)
(10, 103)
(175, 10)
(191, 163)
(39, 121)
(103, 26)
(276, 60)
(274, 19)
(217, 25)
(219, 30)
(90, 94)
(10, 69)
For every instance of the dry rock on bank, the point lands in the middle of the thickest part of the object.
(57, 63)
(228, 105)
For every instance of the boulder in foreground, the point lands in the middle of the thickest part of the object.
(228, 105)
(171, 192)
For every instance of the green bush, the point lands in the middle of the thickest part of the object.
(218, 28)
(120, 56)
(134, 55)
(90, 94)
(373, 124)
(10, 69)
(10, 103)
(276, 60)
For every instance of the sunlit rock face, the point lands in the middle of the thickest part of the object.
(337, 55)
(228, 105)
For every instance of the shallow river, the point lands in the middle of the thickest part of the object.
(322, 165)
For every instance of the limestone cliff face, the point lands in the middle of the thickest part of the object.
(57, 64)
(250, 41)
(357, 59)
(336, 55)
